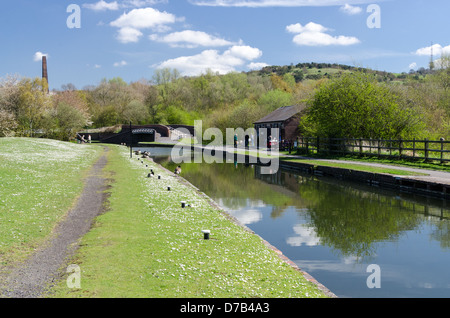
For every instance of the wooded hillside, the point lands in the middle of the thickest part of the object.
(223, 101)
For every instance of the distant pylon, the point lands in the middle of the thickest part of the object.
(432, 58)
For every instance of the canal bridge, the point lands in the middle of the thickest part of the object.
(135, 134)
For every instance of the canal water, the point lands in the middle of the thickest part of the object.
(357, 240)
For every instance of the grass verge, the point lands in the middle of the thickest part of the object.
(357, 167)
(146, 245)
(40, 180)
(419, 164)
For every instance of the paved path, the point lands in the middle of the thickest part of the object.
(432, 175)
(31, 279)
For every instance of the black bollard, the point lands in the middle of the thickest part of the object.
(206, 234)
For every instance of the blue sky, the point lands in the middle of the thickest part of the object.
(132, 38)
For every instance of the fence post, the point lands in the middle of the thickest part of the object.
(307, 145)
(379, 149)
(400, 148)
(317, 146)
(414, 148)
(329, 145)
(360, 147)
(426, 149)
(442, 150)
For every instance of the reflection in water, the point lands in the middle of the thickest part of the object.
(333, 229)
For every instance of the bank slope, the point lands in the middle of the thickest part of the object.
(147, 245)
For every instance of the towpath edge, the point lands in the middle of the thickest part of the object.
(33, 278)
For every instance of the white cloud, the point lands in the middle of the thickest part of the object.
(190, 39)
(350, 10)
(128, 35)
(121, 63)
(223, 63)
(38, 56)
(244, 52)
(437, 50)
(412, 66)
(102, 6)
(313, 34)
(306, 235)
(131, 23)
(141, 3)
(276, 3)
(143, 19)
(256, 66)
(310, 27)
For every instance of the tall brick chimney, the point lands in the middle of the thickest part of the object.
(44, 70)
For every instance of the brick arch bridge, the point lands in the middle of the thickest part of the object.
(136, 134)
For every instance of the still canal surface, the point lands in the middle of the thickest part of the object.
(335, 230)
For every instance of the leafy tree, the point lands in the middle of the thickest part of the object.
(32, 104)
(355, 105)
(244, 115)
(135, 112)
(108, 116)
(274, 99)
(279, 83)
(7, 123)
(68, 120)
(9, 96)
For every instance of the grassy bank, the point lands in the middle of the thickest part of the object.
(357, 167)
(39, 182)
(146, 245)
(418, 164)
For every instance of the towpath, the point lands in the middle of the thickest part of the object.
(33, 278)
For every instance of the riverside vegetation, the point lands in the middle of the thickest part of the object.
(145, 244)
(341, 101)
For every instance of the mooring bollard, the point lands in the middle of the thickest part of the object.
(206, 234)
(183, 204)
(159, 176)
(168, 188)
(149, 175)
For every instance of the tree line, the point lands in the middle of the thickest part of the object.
(354, 102)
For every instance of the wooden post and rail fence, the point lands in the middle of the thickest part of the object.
(411, 149)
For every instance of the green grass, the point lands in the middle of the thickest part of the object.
(358, 167)
(419, 164)
(39, 182)
(146, 245)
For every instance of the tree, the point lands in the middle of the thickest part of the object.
(279, 83)
(76, 99)
(355, 105)
(9, 96)
(32, 104)
(135, 112)
(7, 123)
(274, 99)
(68, 120)
(244, 115)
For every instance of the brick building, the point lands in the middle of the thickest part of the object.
(284, 120)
